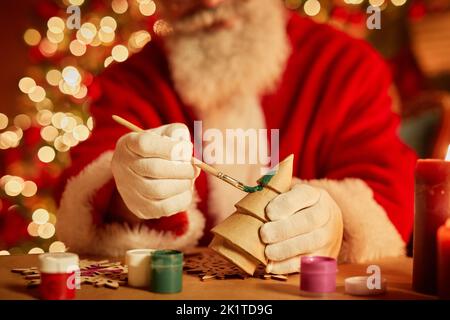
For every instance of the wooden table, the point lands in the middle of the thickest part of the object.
(397, 271)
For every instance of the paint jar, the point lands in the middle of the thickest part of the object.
(138, 262)
(166, 274)
(60, 275)
(318, 274)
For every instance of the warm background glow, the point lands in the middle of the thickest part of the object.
(47, 69)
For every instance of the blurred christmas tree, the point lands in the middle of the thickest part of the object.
(63, 62)
(54, 118)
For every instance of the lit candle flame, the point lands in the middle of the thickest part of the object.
(447, 157)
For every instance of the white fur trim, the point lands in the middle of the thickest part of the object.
(368, 233)
(76, 229)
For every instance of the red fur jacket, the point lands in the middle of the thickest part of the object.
(334, 113)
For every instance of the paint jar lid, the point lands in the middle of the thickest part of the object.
(358, 286)
(167, 258)
(136, 256)
(58, 262)
(317, 264)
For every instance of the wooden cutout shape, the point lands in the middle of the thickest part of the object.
(237, 237)
(209, 265)
(98, 273)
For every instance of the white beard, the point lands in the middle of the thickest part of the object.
(212, 68)
(222, 74)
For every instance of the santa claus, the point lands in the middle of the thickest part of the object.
(243, 64)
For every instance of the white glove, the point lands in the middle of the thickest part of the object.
(153, 171)
(304, 221)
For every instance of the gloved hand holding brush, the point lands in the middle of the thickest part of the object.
(153, 171)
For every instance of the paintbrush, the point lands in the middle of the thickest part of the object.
(206, 167)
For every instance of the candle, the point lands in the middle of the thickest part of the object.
(432, 204)
(443, 243)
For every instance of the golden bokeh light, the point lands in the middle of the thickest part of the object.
(68, 123)
(376, 3)
(56, 120)
(36, 250)
(162, 28)
(14, 187)
(106, 37)
(139, 39)
(96, 41)
(69, 88)
(53, 77)
(69, 139)
(48, 48)
(22, 121)
(108, 61)
(147, 8)
(29, 189)
(81, 92)
(4, 253)
(119, 6)
(4, 180)
(46, 154)
(27, 84)
(9, 139)
(32, 229)
(32, 37)
(81, 132)
(90, 123)
(398, 3)
(312, 7)
(37, 94)
(76, 2)
(60, 145)
(88, 31)
(56, 25)
(120, 53)
(108, 24)
(71, 76)
(18, 132)
(77, 48)
(49, 133)
(3, 121)
(46, 230)
(57, 246)
(44, 117)
(40, 216)
(55, 37)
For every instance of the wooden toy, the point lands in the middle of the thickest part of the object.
(237, 237)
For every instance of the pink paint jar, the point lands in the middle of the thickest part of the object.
(59, 276)
(318, 274)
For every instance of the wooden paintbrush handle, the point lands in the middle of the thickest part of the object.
(205, 167)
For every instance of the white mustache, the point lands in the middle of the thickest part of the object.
(206, 18)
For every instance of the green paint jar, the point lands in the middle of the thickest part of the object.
(166, 271)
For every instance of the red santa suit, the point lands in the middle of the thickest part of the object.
(333, 109)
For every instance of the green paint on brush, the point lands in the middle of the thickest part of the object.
(262, 182)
